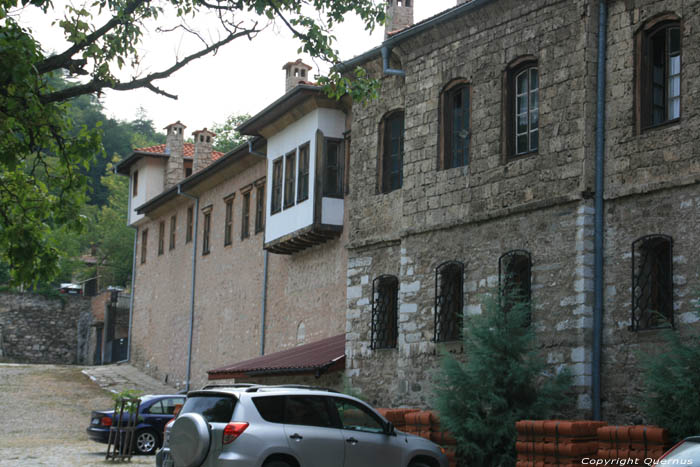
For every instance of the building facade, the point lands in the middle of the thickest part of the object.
(476, 168)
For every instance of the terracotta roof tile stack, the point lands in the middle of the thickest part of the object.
(397, 416)
(427, 425)
(632, 442)
(564, 443)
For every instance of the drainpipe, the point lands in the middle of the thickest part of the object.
(194, 277)
(386, 53)
(264, 306)
(133, 282)
(599, 186)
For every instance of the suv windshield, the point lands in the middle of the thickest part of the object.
(215, 408)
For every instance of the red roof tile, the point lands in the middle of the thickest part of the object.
(188, 150)
(308, 358)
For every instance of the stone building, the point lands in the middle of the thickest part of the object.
(477, 167)
(247, 254)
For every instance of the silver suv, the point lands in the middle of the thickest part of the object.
(288, 426)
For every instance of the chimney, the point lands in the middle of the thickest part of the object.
(296, 73)
(175, 148)
(399, 15)
(203, 140)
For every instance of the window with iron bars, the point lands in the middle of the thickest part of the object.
(385, 298)
(515, 278)
(652, 282)
(449, 299)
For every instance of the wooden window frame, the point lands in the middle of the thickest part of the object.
(339, 169)
(508, 136)
(173, 231)
(228, 220)
(245, 214)
(135, 184)
(144, 245)
(303, 172)
(643, 71)
(206, 231)
(260, 207)
(190, 224)
(289, 179)
(277, 181)
(161, 237)
(385, 158)
(446, 119)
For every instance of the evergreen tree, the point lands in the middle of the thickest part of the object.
(502, 381)
(671, 398)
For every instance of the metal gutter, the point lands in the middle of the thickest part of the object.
(598, 222)
(264, 305)
(133, 280)
(396, 39)
(194, 277)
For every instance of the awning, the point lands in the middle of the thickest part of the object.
(314, 358)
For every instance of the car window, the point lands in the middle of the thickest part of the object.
(271, 408)
(170, 403)
(307, 410)
(688, 452)
(356, 417)
(215, 408)
(156, 408)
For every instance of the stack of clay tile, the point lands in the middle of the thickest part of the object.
(632, 442)
(427, 424)
(561, 443)
(397, 416)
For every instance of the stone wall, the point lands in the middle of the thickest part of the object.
(37, 329)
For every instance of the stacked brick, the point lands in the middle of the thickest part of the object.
(425, 424)
(563, 443)
(632, 442)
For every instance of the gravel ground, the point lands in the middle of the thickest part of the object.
(44, 411)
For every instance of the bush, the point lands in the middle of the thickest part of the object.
(672, 385)
(502, 381)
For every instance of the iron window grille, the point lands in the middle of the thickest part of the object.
(515, 278)
(245, 217)
(456, 125)
(449, 300)
(652, 282)
(385, 322)
(392, 157)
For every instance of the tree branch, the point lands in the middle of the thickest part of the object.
(97, 85)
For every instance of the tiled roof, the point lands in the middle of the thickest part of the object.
(317, 356)
(188, 150)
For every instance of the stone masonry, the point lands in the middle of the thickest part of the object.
(541, 202)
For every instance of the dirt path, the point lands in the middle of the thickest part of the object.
(44, 411)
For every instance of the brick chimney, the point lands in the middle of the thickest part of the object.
(296, 72)
(203, 140)
(399, 15)
(175, 147)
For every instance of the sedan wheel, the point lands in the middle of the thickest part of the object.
(146, 442)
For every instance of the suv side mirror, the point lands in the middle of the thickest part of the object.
(389, 429)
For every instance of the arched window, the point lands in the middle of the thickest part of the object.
(659, 71)
(455, 124)
(521, 109)
(515, 278)
(449, 300)
(385, 317)
(652, 282)
(391, 151)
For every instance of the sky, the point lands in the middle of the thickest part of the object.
(243, 77)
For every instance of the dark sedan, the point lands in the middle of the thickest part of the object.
(154, 412)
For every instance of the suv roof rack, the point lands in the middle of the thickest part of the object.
(231, 385)
(258, 387)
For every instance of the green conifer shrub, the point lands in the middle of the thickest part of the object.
(502, 381)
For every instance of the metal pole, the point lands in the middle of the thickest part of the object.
(194, 277)
(264, 306)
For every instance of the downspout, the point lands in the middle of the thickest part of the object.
(194, 277)
(599, 187)
(264, 306)
(133, 283)
(386, 53)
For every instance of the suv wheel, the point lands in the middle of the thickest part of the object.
(146, 442)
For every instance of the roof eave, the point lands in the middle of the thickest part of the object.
(253, 124)
(124, 166)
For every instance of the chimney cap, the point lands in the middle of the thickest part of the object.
(205, 131)
(178, 123)
(299, 62)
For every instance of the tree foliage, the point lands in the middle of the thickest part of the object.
(227, 137)
(45, 155)
(671, 396)
(503, 381)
